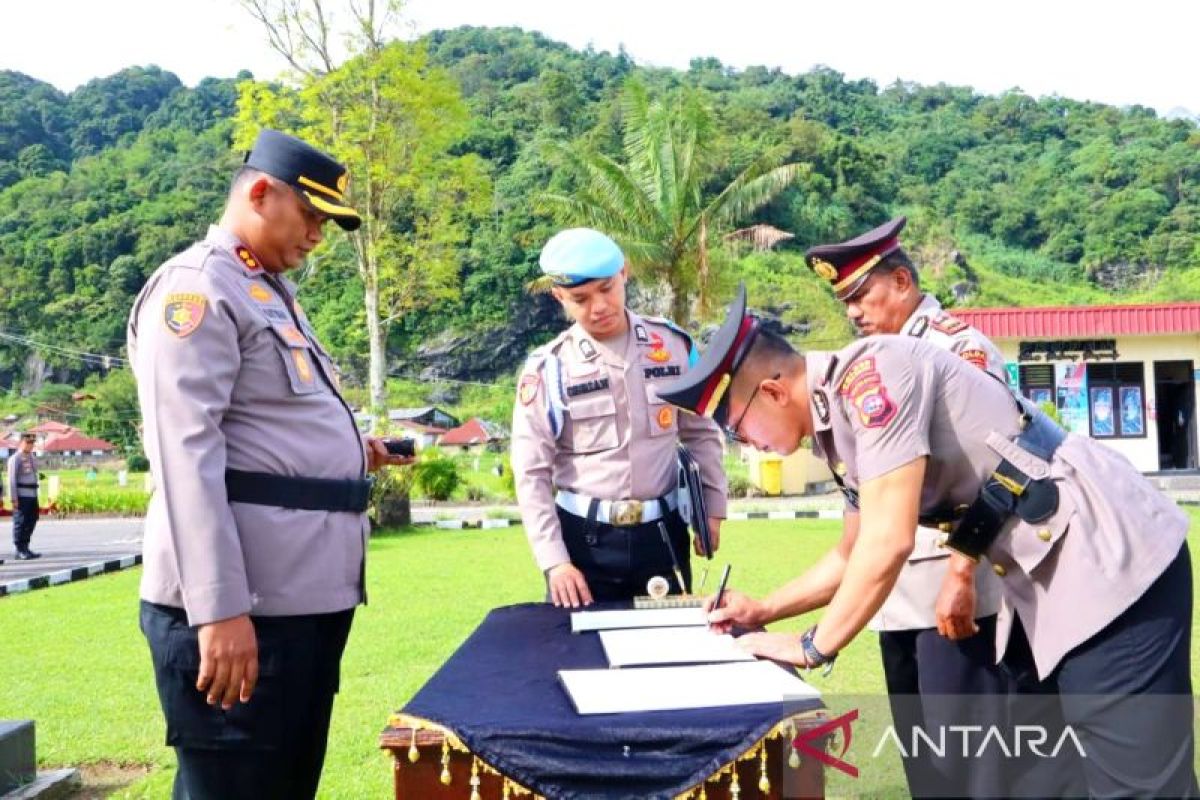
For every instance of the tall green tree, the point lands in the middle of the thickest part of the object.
(394, 120)
(656, 203)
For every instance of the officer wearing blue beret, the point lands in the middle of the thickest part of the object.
(594, 448)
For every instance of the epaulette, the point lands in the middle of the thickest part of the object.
(693, 352)
(545, 358)
(195, 257)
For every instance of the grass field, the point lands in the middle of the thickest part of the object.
(73, 659)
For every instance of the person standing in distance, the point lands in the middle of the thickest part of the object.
(256, 533)
(594, 449)
(23, 484)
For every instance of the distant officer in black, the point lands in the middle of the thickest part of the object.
(23, 493)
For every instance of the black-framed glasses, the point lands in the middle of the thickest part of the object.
(734, 430)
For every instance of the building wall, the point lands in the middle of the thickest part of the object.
(1142, 452)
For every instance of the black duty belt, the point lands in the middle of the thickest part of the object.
(308, 494)
(1006, 492)
(27, 486)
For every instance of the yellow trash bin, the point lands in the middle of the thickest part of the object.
(770, 475)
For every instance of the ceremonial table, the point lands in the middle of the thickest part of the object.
(494, 722)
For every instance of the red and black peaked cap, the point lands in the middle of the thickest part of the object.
(847, 264)
(703, 389)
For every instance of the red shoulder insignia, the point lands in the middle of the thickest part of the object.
(976, 357)
(948, 325)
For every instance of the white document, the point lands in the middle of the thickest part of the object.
(649, 646)
(636, 618)
(619, 691)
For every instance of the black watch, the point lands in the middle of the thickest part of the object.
(813, 656)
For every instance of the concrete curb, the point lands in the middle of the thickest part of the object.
(824, 513)
(69, 575)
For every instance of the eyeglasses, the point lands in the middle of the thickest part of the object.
(734, 430)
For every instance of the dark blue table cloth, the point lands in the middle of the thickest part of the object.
(499, 693)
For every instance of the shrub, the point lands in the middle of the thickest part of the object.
(101, 500)
(437, 476)
(137, 463)
(740, 486)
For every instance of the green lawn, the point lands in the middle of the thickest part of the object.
(74, 660)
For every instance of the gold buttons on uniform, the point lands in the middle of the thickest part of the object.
(999, 570)
(1044, 534)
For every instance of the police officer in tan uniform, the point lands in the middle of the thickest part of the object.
(936, 630)
(594, 449)
(1092, 559)
(23, 481)
(256, 531)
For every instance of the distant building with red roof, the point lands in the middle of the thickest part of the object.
(474, 435)
(1123, 374)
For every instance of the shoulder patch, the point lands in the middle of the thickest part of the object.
(183, 312)
(528, 390)
(976, 357)
(859, 376)
(948, 325)
(875, 407)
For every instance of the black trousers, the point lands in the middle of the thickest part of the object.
(274, 745)
(934, 682)
(1127, 694)
(618, 562)
(25, 519)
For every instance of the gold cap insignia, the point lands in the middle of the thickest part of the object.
(342, 182)
(824, 269)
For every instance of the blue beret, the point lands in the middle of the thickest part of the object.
(579, 255)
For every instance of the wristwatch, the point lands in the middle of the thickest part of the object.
(812, 656)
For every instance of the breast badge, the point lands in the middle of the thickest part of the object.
(665, 417)
(183, 313)
(658, 350)
(260, 293)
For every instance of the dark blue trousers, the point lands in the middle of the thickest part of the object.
(933, 683)
(25, 519)
(1127, 693)
(274, 745)
(618, 562)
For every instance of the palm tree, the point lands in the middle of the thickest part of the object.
(654, 204)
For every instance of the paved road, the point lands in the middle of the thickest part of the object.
(69, 544)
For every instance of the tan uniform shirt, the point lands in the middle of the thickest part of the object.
(588, 420)
(22, 469)
(911, 604)
(227, 377)
(884, 401)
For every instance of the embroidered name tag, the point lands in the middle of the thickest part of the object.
(587, 387)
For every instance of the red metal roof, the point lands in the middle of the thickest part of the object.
(1083, 321)
(71, 441)
(470, 432)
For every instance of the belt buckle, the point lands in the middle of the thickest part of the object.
(626, 513)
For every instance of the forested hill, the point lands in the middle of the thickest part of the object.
(1011, 199)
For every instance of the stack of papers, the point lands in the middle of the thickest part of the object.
(620, 691)
(648, 646)
(636, 618)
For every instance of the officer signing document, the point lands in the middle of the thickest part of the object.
(1092, 560)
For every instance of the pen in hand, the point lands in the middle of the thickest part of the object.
(721, 587)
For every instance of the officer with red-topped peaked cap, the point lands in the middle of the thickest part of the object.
(594, 448)
(1092, 560)
(936, 631)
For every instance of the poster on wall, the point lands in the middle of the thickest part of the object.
(1013, 371)
(1071, 380)
(1102, 411)
(1040, 396)
(1132, 421)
